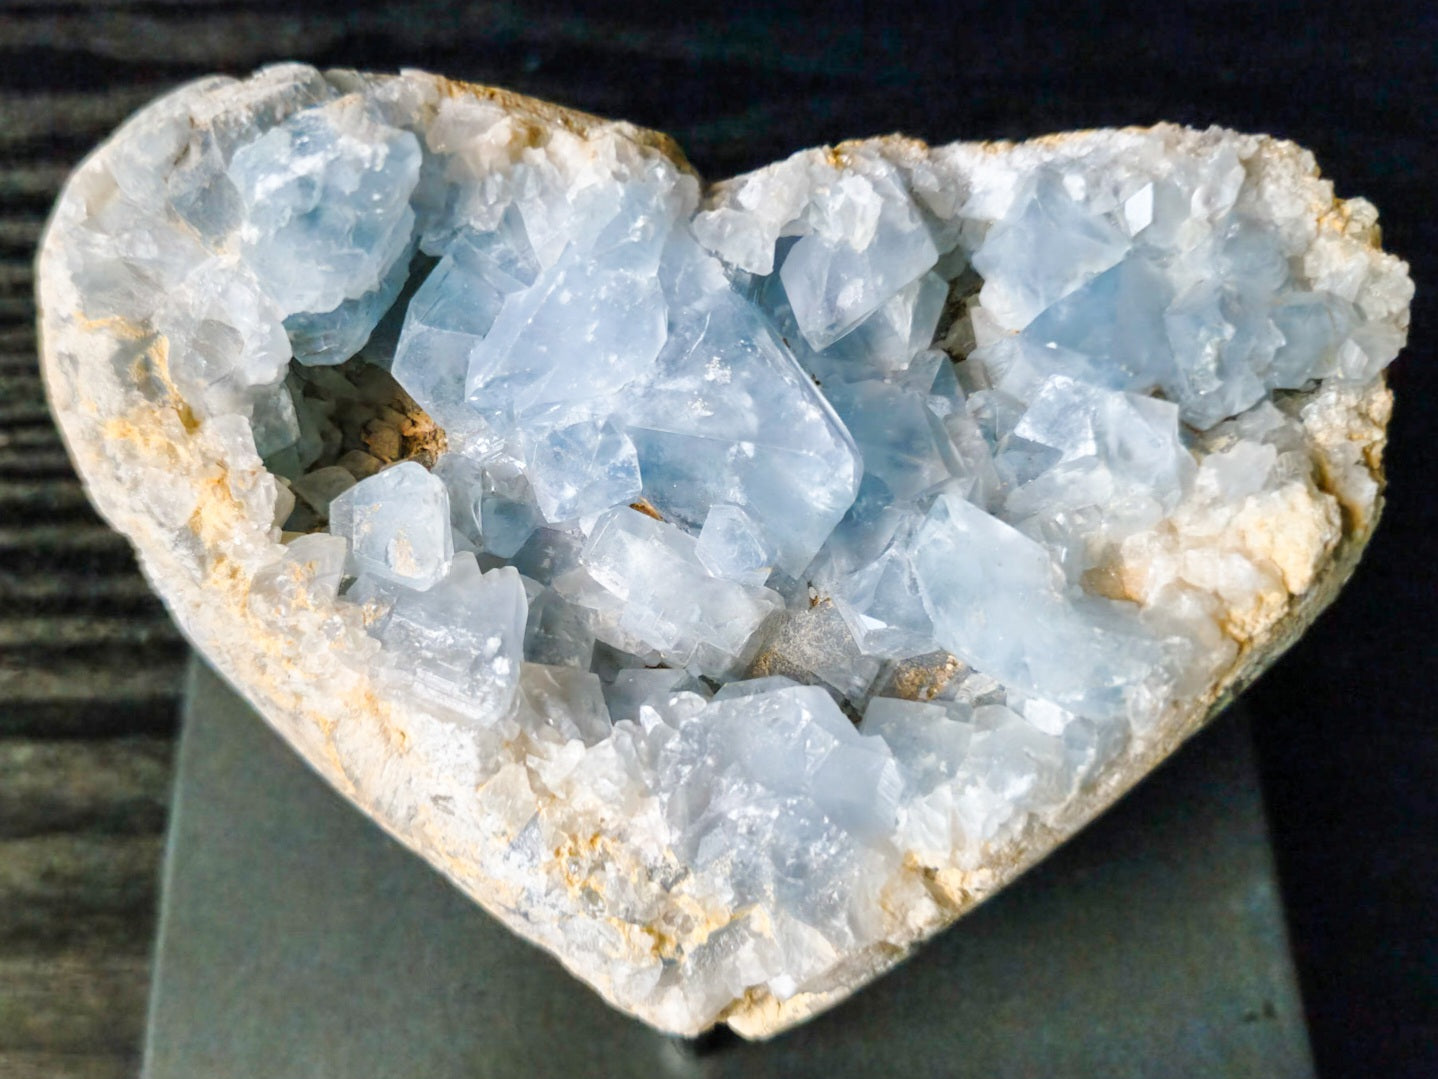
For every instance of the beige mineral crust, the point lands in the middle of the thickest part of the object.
(542, 831)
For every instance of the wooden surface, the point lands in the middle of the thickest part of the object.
(90, 671)
(90, 667)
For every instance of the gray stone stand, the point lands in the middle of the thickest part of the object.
(297, 942)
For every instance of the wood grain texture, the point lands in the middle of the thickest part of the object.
(105, 787)
(60, 892)
(90, 665)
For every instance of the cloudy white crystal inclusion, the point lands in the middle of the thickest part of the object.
(825, 425)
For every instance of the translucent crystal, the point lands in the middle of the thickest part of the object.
(565, 699)
(225, 336)
(275, 422)
(462, 640)
(730, 417)
(506, 524)
(334, 336)
(1117, 319)
(582, 469)
(640, 687)
(587, 327)
(397, 524)
(670, 601)
(929, 741)
(452, 311)
(1174, 289)
(900, 327)
(882, 603)
(778, 746)
(558, 633)
(835, 281)
(1047, 245)
(998, 603)
(327, 188)
(1120, 463)
(903, 442)
(732, 545)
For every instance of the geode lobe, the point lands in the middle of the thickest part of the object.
(726, 585)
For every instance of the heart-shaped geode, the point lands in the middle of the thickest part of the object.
(725, 586)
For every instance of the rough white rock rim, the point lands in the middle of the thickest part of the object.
(307, 674)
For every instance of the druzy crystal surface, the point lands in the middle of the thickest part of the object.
(759, 562)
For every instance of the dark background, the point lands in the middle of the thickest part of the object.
(1345, 723)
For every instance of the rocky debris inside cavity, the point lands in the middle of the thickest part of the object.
(851, 509)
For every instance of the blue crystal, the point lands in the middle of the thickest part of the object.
(332, 337)
(1313, 325)
(582, 469)
(902, 441)
(397, 523)
(1047, 247)
(882, 601)
(834, 284)
(327, 188)
(565, 699)
(558, 633)
(783, 470)
(1117, 321)
(1212, 333)
(462, 639)
(730, 417)
(731, 544)
(929, 741)
(998, 602)
(652, 687)
(452, 311)
(589, 326)
(780, 747)
(650, 573)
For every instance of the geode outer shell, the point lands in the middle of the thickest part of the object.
(199, 507)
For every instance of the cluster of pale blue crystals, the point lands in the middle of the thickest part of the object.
(672, 453)
(696, 456)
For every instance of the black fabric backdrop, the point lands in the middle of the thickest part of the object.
(1346, 722)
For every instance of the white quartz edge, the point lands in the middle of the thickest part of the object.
(309, 673)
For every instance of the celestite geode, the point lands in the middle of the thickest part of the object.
(727, 586)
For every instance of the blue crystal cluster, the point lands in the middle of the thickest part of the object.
(734, 554)
(682, 457)
(1156, 295)
(820, 430)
